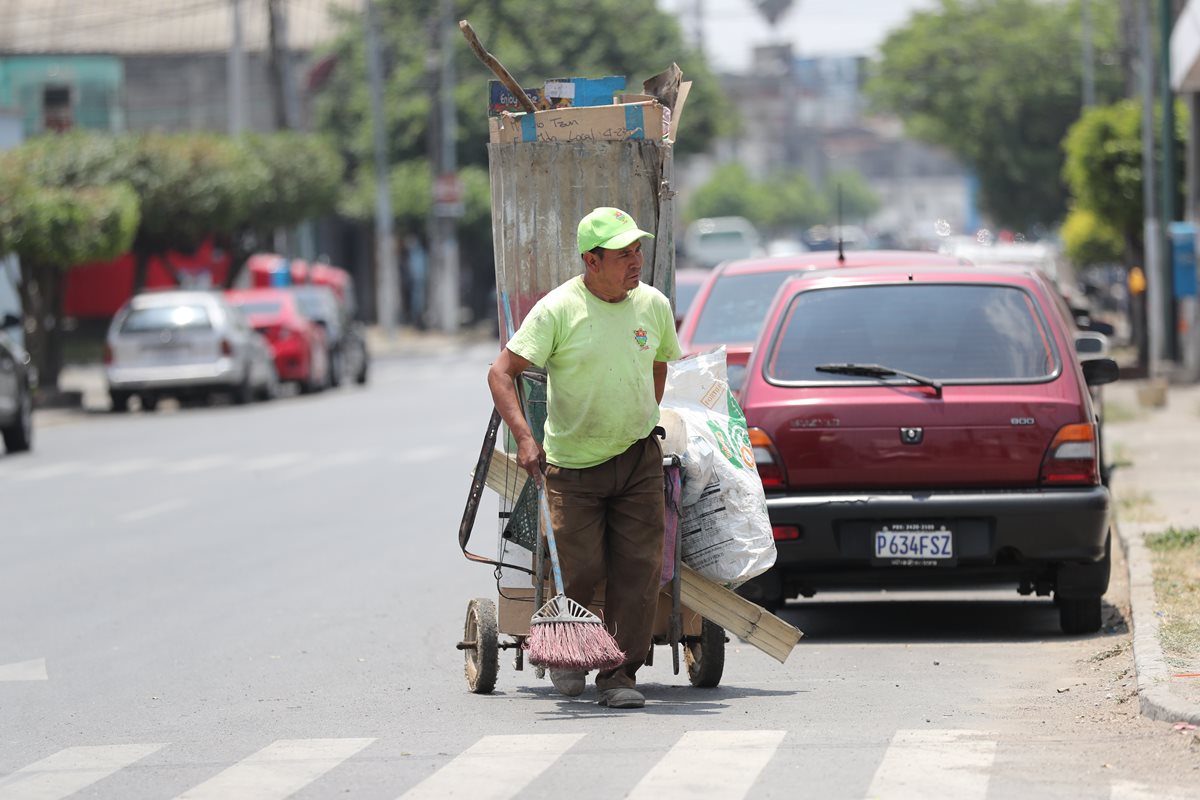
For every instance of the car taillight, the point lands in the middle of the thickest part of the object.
(766, 458)
(226, 348)
(1071, 458)
(108, 354)
(785, 533)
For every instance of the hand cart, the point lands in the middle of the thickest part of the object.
(504, 625)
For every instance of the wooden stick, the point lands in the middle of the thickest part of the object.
(496, 67)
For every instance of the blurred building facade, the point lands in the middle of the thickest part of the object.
(810, 115)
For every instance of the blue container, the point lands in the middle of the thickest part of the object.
(1183, 258)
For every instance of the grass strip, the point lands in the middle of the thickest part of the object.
(1176, 562)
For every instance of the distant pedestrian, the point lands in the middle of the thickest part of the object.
(604, 339)
(418, 274)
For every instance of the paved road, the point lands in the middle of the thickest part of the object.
(263, 601)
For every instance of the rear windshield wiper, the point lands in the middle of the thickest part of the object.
(879, 371)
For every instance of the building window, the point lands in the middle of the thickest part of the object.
(56, 109)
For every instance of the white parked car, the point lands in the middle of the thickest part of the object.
(185, 344)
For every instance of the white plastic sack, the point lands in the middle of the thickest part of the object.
(724, 524)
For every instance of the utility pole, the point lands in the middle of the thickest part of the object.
(1089, 71)
(388, 277)
(236, 71)
(1152, 230)
(1167, 185)
(283, 93)
(447, 206)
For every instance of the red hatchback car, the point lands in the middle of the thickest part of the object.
(730, 305)
(298, 344)
(929, 426)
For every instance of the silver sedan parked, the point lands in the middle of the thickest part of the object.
(185, 344)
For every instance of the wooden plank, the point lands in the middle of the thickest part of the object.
(504, 476)
(738, 615)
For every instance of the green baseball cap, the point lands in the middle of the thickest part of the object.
(610, 228)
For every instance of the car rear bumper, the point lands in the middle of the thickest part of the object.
(995, 532)
(177, 376)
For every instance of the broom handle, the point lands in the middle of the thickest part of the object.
(544, 511)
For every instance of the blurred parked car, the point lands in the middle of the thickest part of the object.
(346, 338)
(16, 390)
(730, 305)
(185, 344)
(929, 426)
(687, 285)
(298, 344)
(713, 240)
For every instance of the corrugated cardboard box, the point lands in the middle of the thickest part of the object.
(625, 122)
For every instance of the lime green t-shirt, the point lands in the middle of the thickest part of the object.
(599, 361)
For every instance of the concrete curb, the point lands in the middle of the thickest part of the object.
(1153, 677)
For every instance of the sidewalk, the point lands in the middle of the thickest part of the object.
(1156, 486)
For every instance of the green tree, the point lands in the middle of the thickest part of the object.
(303, 180)
(52, 230)
(536, 40)
(730, 192)
(998, 83)
(189, 186)
(1088, 240)
(1103, 169)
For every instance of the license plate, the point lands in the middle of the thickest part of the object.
(914, 544)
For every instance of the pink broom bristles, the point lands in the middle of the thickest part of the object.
(573, 646)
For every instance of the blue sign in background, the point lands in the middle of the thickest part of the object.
(1183, 257)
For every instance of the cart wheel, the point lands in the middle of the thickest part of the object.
(705, 656)
(482, 655)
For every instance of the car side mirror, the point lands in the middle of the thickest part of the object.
(1099, 371)
(1089, 345)
(10, 321)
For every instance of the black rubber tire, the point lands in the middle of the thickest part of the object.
(482, 661)
(120, 401)
(706, 658)
(18, 437)
(1078, 615)
(244, 393)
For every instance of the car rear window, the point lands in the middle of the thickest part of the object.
(982, 333)
(735, 307)
(159, 318)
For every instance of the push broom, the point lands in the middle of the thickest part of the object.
(563, 634)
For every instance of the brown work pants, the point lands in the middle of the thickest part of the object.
(608, 525)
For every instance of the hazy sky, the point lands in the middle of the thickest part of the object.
(732, 28)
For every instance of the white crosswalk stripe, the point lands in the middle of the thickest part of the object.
(934, 764)
(278, 770)
(495, 767)
(718, 764)
(70, 770)
(125, 467)
(32, 670)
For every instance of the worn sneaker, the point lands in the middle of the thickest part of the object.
(568, 683)
(622, 698)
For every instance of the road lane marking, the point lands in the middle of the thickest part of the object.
(198, 464)
(718, 764)
(421, 454)
(495, 768)
(343, 459)
(32, 670)
(50, 471)
(151, 511)
(125, 467)
(70, 770)
(279, 770)
(276, 461)
(934, 764)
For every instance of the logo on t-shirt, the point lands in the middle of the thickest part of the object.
(640, 337)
